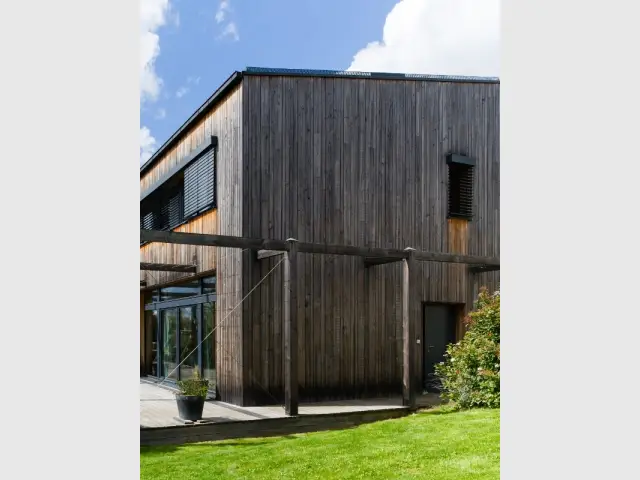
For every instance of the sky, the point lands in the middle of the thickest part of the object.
(190, 47)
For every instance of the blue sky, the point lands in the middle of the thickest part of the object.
(189, 47)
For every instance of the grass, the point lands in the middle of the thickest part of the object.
(434, 444)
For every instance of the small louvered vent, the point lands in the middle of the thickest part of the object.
(460, 187)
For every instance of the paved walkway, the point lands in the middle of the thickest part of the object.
(158, 408)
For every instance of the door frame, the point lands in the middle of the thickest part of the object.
(198, 302)
(459, 314)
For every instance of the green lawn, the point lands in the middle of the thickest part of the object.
(432, 445)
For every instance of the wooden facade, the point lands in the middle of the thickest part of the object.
(224, 120)
(329, 159)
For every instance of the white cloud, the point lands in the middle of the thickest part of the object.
(223, 9)
(182, 91)
(231, 30)
(448, 37)
(147, 144)
(161, 114)
(153, 15)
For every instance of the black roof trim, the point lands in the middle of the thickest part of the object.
(203, 148)
(294, 72)
(217, 96)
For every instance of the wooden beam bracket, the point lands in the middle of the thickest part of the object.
(373, 261)
(268, 253)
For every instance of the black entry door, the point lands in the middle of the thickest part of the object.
(439, 331)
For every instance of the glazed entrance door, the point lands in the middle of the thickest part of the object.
(169, 343)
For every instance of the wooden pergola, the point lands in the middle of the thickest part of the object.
(290, 248)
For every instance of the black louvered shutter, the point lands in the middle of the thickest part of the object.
(176, 215)
(199, 185)
(147, 221)
(461, 191)
(162, 219)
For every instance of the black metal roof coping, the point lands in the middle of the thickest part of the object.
(236, 78)
(372, 75)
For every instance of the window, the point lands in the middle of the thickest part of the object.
(209, 285)
(187, 191)
(163, 210)
(183, 290)
(460, 186)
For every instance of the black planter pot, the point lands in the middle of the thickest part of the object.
(190, 407)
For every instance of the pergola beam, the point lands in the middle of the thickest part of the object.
(371, 255)
(168, 267)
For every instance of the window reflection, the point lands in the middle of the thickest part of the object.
(188, 342)
(208, 345)
(169, 343)
(151, 341)
(209, 285)
(180, 291)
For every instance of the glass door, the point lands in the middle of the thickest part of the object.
(208, 345)
(151, 342)
(169, 343)
(188, 342)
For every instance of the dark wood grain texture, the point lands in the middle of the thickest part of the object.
(336, 162)
(360, 162)
(290, 314)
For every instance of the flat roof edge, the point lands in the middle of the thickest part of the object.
(293, 72)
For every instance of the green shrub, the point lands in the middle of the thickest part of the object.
(470, 374)
(196, 386)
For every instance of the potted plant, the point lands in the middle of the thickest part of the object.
(191, 397)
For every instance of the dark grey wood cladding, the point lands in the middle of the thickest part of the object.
(352, 161)
(358, 162)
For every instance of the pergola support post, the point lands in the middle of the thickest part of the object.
(409, 320)
(290, 329)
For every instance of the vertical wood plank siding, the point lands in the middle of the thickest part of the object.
(360, 162)
(224, 121)
(203, 257)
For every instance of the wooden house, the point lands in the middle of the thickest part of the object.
(363, 159)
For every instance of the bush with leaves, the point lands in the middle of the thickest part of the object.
(196, 386)
(470, 374)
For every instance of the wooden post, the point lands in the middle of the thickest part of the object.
(290, 329)
(408, 329)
